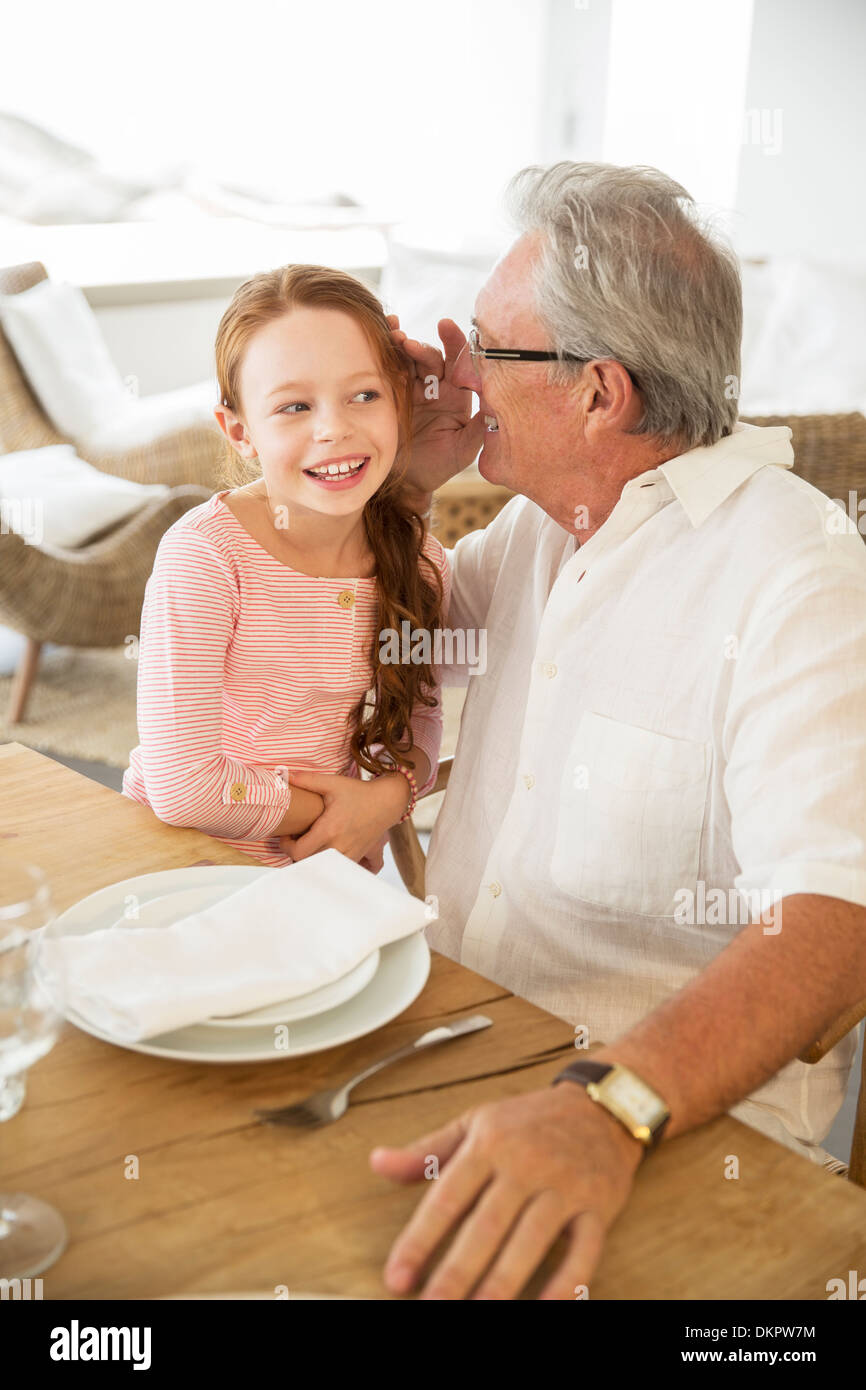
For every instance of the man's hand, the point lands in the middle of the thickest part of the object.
(514, 1175)
(446, 435)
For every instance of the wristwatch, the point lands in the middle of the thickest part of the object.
(619, 1090)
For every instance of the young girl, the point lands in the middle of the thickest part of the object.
(261, 690)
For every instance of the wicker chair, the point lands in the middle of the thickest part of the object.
(830, 453)
(829, 450)
(87, 597)
(90, 596)
(192, 455)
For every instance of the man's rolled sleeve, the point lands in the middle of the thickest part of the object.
(795, 737)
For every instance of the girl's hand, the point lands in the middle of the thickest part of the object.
(356, 818)
(375, 861)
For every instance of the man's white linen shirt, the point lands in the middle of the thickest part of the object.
(674, 707)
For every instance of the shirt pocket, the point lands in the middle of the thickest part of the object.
(631, 812)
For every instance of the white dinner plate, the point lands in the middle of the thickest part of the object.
(401, 975)
(171, 907)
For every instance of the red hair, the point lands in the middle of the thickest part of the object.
(408, 583)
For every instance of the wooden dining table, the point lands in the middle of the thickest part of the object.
(223, 1204)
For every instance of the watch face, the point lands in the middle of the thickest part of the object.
(633, 1096)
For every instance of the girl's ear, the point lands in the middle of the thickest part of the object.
(235, 431)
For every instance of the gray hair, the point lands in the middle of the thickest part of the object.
(628, 271)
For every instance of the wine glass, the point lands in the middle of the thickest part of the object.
(32, 1233)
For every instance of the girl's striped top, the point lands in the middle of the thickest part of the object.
(249, 670)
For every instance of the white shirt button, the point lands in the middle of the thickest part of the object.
(529, 780)
(496, 889)
(549, 669)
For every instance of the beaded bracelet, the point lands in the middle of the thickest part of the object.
(413, 786)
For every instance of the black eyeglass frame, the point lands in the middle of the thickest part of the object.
(518, 354)
(527, 355)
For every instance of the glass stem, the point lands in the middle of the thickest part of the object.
(12, 1091)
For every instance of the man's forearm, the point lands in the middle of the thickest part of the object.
(750, 1011)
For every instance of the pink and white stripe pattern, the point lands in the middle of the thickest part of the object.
(249, 671)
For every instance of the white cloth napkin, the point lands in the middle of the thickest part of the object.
(289, 932)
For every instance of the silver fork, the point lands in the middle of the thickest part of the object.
(324, 1107)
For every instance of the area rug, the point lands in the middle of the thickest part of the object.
(82, 705)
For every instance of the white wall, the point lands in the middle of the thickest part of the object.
(676, 88)
(423, 110)
(576, 55)
(164, 344)
(807, 62)
(682, 77)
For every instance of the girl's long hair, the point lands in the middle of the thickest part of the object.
(408, 583)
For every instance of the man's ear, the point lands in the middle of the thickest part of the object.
(235, 431)
(609, 392)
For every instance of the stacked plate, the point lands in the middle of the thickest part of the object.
(379, 988)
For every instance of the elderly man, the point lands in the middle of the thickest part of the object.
(672, 722)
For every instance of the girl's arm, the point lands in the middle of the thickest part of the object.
(305, 807)
(190, 608)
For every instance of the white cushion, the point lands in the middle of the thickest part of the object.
(55, 336)
(51, 497)
(58, 342)
(808, 356)
(423, 285)
(141, 420)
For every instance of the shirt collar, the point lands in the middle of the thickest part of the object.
(705, 477)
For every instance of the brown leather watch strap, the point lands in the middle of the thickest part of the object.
(583, 1071)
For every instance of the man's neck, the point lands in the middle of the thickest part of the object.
(586, 506)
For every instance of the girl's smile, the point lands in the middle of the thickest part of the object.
(337, 474)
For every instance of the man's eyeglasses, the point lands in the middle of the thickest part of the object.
(478, 353)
